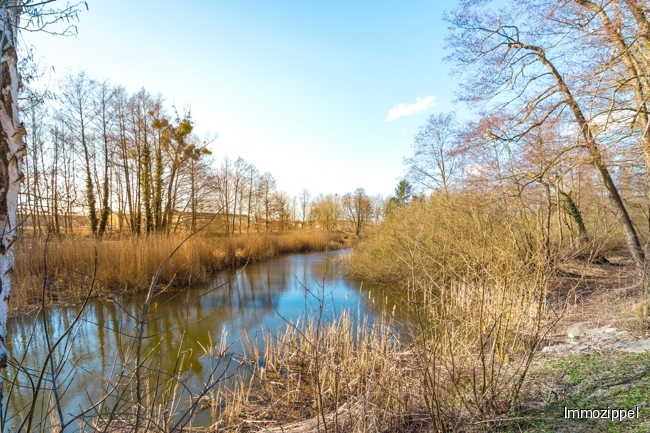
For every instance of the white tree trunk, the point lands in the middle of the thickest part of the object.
(12, 151)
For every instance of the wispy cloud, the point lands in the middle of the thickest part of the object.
(401, 110)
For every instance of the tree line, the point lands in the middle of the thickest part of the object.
(110, 161)
(559, 127)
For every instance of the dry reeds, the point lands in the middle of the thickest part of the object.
(476, 280)
(318, 376)
(127, 264)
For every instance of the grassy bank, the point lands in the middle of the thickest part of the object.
(128, 264)
(586, 381)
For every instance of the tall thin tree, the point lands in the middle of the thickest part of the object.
(12, 133)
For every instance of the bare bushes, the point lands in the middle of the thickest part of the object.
(129, 263)
(323, 376)
(476, 280)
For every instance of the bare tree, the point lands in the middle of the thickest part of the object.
(434, 164)
(34, 167)
(77, 95)
(521, 62)
(377, 208)
(357, 206)
(125, 156)
(141, 136)
(252, 183)
(304, 200)
(194, 152)
(266, 188)
(104, 106)
(281, 209)
(223, 188)
(327, 211)
(176, 152)
(239, 176)
(35, 14)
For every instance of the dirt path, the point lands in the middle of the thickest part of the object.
(604, 310)
(597, 357)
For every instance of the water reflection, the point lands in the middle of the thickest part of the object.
(180, 325)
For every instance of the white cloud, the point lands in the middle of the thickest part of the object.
(475, 170)
(401, 110)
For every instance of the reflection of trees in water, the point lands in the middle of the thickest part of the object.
(89, 347)
(244, 298)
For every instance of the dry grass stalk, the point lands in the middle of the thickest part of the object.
(363, 374)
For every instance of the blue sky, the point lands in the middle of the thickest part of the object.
(302, 89)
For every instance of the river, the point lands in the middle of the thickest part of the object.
(181, 324)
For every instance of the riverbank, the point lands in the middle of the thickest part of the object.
(364, 379)
(555, 385)
(597, 357)
(586, 361)
(316, 373)
(593, 382)
(126, 265)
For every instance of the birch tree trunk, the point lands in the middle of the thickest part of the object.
(12, 151)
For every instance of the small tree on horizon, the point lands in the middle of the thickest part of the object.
(357, 207)
(403, 193)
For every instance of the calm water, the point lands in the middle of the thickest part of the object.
(101, 344)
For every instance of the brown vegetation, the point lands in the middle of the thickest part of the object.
(476, 281)
(128, 264)
(556, 168)
(318, 376)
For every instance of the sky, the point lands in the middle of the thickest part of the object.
(326, 95)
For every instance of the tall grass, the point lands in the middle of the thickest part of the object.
(476, 277)
(327, 377)
(128, 264)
